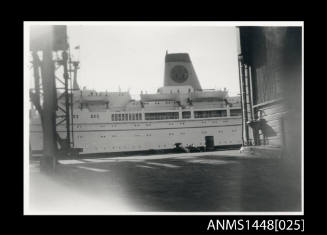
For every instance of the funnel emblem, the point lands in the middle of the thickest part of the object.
(179, 73)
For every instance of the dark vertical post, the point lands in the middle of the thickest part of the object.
(247, 103)
(36, 96)
(49, 110)
(240, 82)
(72, 111)
(244, 100)
(251, 92)
(248, 92)
(66, 77)
(255, 131)
(36, 66)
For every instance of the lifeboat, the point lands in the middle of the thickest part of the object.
(94, 99)
(158, 97)
(208, 96)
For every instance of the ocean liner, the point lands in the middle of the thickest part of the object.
(181, 113)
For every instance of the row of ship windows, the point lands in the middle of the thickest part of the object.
(148, 134)
(161, 102)
(209, 114)
(126, 116)
(131, 147)
(161, 116)
(149, 124)
(100, 94)
(168, 115)
(158, 146)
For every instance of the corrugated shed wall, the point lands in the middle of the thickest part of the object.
(274, 54)
(274, 116)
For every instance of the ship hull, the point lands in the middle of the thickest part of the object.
(142, 136)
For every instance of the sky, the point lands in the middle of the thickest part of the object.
(131, 57)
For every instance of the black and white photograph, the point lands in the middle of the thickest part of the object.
(163, 118)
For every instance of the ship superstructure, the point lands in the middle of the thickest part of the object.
(181, 112)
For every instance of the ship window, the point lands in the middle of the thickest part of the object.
(122, 117)
(133, 116)
(209, 114)
(235, 112)
(129, 116)
(126, 116)
(186, 114)
(161, 116)
(112, 117)
(119, 117)
(140, 116)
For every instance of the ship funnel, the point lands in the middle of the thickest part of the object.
(179, 71)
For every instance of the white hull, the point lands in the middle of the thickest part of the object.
(142, 136)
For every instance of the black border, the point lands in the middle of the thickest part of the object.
(130, 223)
